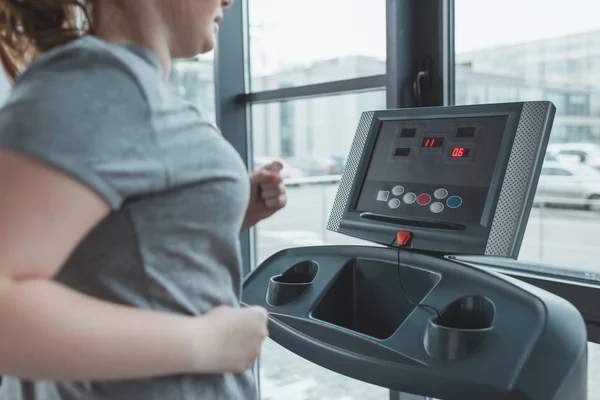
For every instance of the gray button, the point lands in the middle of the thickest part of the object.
(410, 198)
(398, 190)
(436, 208)
(383, 195)
(440, 194)
(394, 203)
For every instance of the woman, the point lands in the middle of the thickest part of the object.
(120, 211)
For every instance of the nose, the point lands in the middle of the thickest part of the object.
(226, 3)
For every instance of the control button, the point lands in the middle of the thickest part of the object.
(410, 198)
(394, 203)
(436, 207)
(440, 194)
(398, 190)
(383, 195)
(454, 202)
(423, 199)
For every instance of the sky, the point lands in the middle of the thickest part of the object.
(291, 32)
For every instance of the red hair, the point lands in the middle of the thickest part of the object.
(31, 27)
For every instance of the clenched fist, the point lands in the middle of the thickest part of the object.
(236, 336)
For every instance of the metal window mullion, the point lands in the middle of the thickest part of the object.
(417, 38)
(230, 71)
(419, 34)
(355, 85)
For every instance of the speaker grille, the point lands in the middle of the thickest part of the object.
(349, 174)
(506, 223)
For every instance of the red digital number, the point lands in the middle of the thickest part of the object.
(458, 152)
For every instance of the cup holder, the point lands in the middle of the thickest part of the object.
(460, 328)
(290, 285)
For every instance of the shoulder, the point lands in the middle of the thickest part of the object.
(83, 108)
(80, 91)
(83, 73)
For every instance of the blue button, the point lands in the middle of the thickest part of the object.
(454, 202)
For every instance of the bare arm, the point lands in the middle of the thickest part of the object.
(48, 331)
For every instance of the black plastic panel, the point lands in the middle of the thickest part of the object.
(460, 178)
(495, 338)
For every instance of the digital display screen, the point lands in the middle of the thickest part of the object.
(460, 152)
(432, 142)
(408, 133)
(402, 152)
(463, 133)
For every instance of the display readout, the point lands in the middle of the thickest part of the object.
(465, 133)
(460, 152)
(432, 142)
(402, 152)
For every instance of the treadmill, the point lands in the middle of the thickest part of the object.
(427, 186)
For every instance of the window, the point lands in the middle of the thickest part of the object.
(556, 172)
(550, 58)
(194, 80)
(286, 121)
(321, 131)
(574, 114)
(553, 47)
(314, 41)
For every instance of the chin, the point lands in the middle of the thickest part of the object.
(208, 46)
(210, 42)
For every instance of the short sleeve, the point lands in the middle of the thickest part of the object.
(83, 111)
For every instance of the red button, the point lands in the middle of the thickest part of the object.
(423, 199)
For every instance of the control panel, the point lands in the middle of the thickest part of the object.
(461, 179)
(440, 169)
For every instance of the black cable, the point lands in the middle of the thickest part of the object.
(414, 304)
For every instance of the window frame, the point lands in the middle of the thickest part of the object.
(418, 33)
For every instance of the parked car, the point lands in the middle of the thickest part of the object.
(288, 172)
(586, 153)
(567, 183)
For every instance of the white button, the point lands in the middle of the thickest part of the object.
(394, 203)
(398, 190)
(383, 195)
(440, 194)
(410, 198)
(436, 208)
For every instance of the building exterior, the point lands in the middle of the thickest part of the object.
(564, 70)
(318, 127)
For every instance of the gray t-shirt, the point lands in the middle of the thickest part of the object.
(106, 115)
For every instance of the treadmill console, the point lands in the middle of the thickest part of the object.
(462, 179)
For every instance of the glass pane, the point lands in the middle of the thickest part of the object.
(312, 137)
(294, 43)
(548, 51)
(194, 80)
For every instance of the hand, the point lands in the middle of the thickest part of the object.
(267, 194)
(237, 334)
